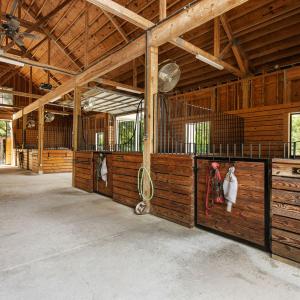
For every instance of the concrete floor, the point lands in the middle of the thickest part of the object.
(57, 242)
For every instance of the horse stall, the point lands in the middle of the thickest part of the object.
(121, 161)
(249, 218)
(56, 155)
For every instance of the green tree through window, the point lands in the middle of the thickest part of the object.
(295, 133)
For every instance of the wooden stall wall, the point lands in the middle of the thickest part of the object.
(285, 209)
(57, 161)
(279, 87)
(24, 158)
(54, 161)
(83, 170)
(125, 171)
(35, 161)
(173, 179)
(99, 185)
(247, 219)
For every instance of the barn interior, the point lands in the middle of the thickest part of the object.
(164, 132)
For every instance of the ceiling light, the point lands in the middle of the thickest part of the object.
(129, 90)
(209, 61)
(11, 61)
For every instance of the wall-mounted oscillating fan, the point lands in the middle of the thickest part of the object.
(30, 124)
(89, 105)
(168, 77)
(49, 117)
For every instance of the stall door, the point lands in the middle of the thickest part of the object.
(248, 219)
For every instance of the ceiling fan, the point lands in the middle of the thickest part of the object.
(11, 29)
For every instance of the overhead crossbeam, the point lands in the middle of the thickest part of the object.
(132, 17)
(183, 21)
(240, 58)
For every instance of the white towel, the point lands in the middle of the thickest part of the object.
(104, 171)
(230, 188)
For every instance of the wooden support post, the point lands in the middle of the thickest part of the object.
(162, 9)
(76, 117)
(213, 100)
(49, 57)
(150, 103)
(217, 37)
(245, 92)
(134, 73)
(40, 139)
(24, 121)
(30, 84)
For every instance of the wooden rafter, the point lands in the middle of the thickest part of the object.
(36, 64)
(47, 31)
(117, 84)
(21, 94)
(143, 23)
(41, 21)
(162, 9)
(217, 37)
(117, 26)
(236, 49)
(192, 17)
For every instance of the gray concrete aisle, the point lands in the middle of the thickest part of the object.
(57, 242)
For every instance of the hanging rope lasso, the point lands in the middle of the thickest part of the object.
(143, 174)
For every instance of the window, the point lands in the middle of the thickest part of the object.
(197, 137)
(130, 130)
(295, 134)
(99, 141)
(6, 98)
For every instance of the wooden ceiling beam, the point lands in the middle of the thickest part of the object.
(41, 21)
(162, 9)
(17, 93)
(123, 13)
(217, 37)
(116, 25)
(24, 23)
(50, 35)
(145, 24)
(236, 49)
(183, 21)
(117, 84)
(38, 65)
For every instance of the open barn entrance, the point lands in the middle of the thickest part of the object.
(5, 142)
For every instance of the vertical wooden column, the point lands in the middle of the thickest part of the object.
(134, 73)
(162, 9)
(217, 37)
(40, 139)
(24, 122)
(150, 97)
(76, 116)
(13, 143)
(245, 92)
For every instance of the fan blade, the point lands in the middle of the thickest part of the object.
(30, 36)
(18, 41)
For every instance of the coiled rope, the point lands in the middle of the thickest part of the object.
(143, 174)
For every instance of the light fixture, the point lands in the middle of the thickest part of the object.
(209, 62)
(11, 61)
(128, 90)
